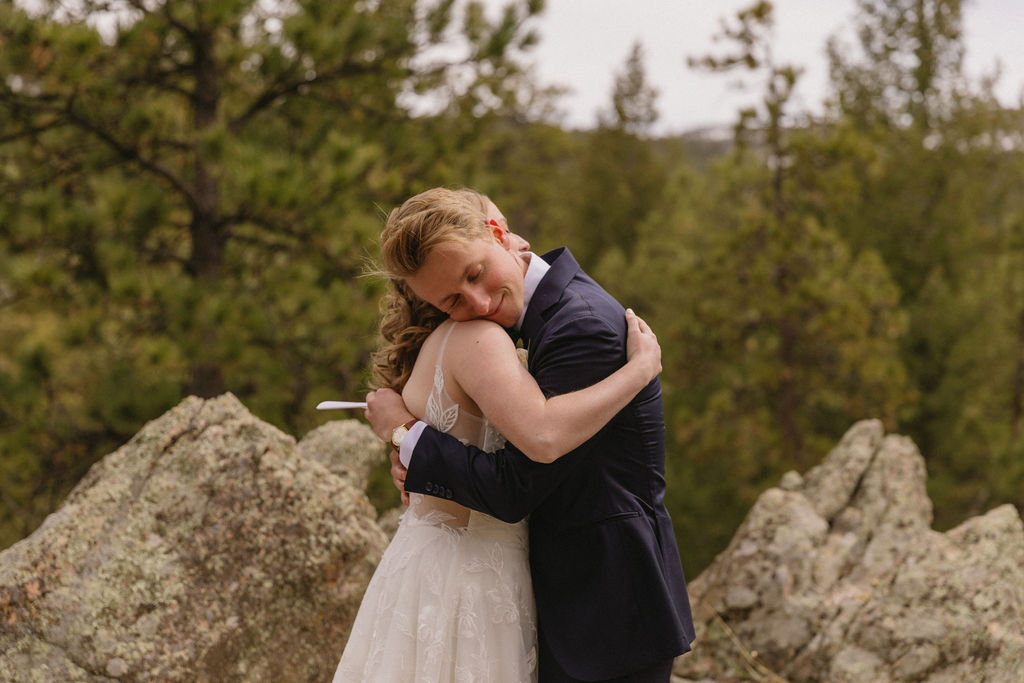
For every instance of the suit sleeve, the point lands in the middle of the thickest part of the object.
(577, 351)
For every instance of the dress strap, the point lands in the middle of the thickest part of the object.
(442, 411)
(444, 343)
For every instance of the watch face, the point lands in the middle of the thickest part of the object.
(398, 435)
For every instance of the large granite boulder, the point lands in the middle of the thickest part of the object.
(211, 547)
(837, 576)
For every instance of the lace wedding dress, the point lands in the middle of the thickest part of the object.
(451, 599)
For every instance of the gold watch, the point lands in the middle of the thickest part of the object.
(399, 433)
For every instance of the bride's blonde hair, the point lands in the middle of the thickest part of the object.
(411, 233)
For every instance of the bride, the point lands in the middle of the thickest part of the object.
(451, 599)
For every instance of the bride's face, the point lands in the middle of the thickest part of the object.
(478, 278)
(495, 216)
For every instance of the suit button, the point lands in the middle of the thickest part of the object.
(448, 493)
(429, 487)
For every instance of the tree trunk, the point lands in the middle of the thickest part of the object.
(789, 400)
(1016, 408)
(207, 231)
(209, 234)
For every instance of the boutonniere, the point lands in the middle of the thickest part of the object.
(523, 352)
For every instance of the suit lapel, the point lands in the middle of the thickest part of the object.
(563, 269)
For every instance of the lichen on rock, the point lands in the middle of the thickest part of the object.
(837, 575)
(210, 547)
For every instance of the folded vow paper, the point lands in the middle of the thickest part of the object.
(337, 405)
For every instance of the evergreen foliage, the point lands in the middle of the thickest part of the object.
(190, 194)
(190, 200)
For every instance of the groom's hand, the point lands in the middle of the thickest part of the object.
(385, 410)
(398, 473)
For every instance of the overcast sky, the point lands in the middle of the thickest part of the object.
(585, 42)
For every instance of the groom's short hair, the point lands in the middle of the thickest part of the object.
(438, 215)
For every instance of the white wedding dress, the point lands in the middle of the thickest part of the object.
(451, 599)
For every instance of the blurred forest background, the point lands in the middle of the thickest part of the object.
(190, 192)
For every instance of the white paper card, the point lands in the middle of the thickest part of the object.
(339, 405)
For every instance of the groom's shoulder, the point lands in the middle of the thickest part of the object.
(577, 294)
(567, 272)
(589, 309)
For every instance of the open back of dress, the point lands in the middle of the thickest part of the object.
(445, 415)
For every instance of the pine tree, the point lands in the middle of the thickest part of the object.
(190, 194)
(782, 335)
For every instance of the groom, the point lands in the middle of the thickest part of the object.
(611, 597)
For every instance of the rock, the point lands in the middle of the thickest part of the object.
(838, 576)
(210, 547)
(388, 521)
(360, 446)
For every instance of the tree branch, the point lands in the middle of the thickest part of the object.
(132, 154)
(280, 89)
(28, 132)
(141, 6)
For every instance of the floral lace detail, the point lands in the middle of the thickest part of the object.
(440, 417)
(451, 599)
(447, 604)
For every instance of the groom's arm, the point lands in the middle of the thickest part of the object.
(582, 350)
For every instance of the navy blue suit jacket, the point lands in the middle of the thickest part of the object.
(611, 597)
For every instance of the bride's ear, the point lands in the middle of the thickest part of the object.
(500, 234)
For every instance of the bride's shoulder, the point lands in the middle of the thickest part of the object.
(478, 348)
(473, 332)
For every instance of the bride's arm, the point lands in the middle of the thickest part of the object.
(488, 370)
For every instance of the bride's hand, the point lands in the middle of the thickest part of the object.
(642, 344)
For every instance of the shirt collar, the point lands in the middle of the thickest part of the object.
(535, 272)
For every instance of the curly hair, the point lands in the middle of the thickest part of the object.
(410, 234)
